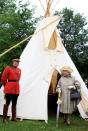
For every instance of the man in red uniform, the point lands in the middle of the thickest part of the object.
(10, 79)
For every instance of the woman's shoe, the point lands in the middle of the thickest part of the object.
(68, 122)
(68, 119)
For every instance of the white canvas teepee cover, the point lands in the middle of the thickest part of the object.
(37, 65)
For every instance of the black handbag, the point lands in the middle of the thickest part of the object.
(75, 95)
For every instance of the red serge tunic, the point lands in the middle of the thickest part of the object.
(9, 78)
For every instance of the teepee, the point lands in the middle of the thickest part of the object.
(43, 55)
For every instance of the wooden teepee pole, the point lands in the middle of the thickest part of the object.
(55, 5)
(51, 1)
(42, 5)
(47, 13)
(46, 2)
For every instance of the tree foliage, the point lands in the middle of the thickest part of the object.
(74, 35)
(16, 23)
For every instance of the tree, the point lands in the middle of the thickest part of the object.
(74, 35)
(16, 23)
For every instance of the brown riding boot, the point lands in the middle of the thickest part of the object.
(14, 114)
(68, 119)
(5, 110)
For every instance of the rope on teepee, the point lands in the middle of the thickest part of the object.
(27, 38)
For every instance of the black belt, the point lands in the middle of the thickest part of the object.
(13, 80)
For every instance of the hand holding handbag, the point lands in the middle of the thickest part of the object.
(75, 95)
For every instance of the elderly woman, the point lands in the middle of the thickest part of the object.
(66, 84)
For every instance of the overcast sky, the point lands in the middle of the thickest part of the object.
(79, 6)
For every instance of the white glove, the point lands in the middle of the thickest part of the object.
(58, 90)
(70, 87)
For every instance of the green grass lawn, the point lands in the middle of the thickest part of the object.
(78, 124)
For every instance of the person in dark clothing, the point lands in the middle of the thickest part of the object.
(86, 83)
